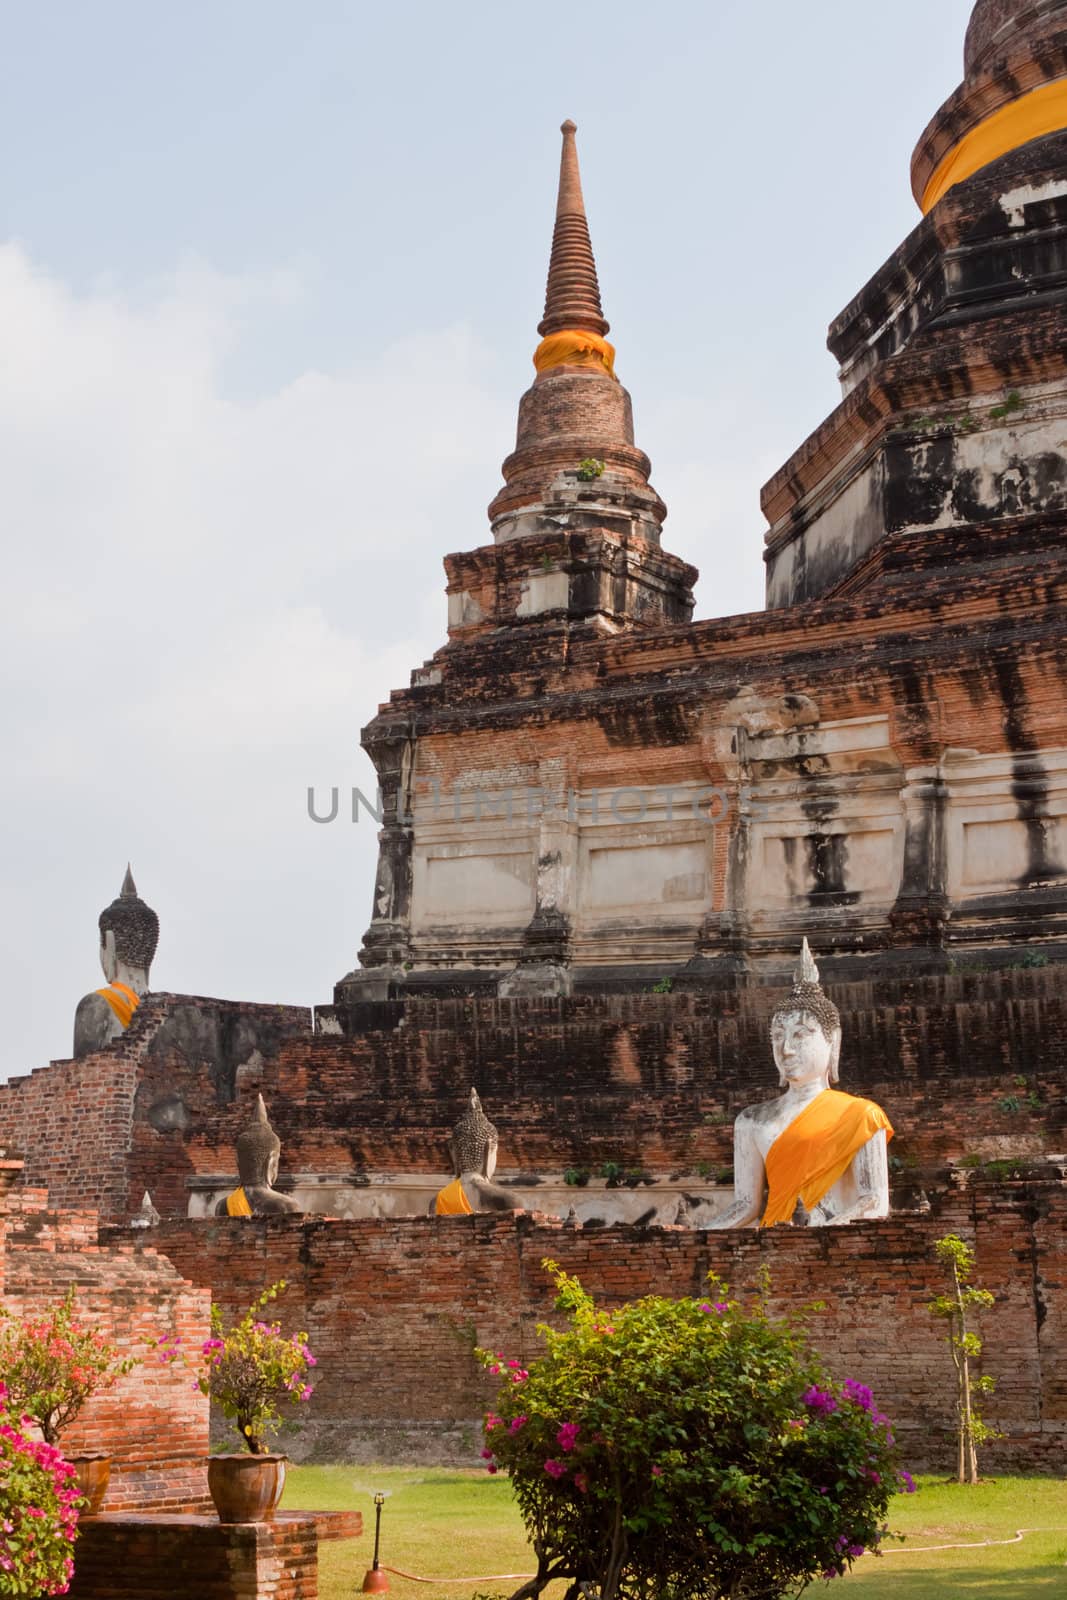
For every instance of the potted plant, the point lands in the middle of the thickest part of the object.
(52, 1365)
(251, 1370)
(38, 1511)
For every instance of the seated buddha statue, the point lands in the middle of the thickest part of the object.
(473, 1148)
(258, 1152)
(814, 1155)
(129, 933)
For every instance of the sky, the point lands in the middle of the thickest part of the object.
(270, 277)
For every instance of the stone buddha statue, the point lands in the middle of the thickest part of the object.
(129, 933)
(473, 1147)
(813, 1156)
(258, 1151)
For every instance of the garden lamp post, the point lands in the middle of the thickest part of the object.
(375, 1581)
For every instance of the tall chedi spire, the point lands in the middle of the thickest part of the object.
(575, 440)
(577, 513)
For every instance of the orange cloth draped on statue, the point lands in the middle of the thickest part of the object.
(237, 1204)
(453, 1202)
(574, 347)
(817, 1149)
(122, 1001)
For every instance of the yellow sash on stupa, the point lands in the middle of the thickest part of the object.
(122, 1001)
(575, 348)
(237, 1204)
(1031, 116)
(807, 1159)
(453, 1202)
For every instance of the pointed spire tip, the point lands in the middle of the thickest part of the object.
(572, 295)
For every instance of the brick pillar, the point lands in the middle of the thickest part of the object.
(9, 1171)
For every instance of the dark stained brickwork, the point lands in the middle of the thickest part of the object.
(387, 1304)
(650, 1081)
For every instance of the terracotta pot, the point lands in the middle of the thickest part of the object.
(93, 1473)
(246, 1488)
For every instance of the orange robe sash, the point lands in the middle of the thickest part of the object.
(237, 1204)
(807, 1159)
(122, 1001)
(453, 1202)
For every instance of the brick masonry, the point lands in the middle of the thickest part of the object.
(196, 1558)
(152, 1423)
(394, 1309)
(968, 1064)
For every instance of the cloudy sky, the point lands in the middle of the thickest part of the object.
(269, 282)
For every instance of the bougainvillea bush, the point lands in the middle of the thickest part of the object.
(251, 1369)
(52, 1365)
(687, 1450)
(38, 1511)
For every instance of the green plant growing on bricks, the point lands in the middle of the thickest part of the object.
(687, 1450)
(954, 1307)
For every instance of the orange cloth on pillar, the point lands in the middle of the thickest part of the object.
(574, 347)
(122, 1001)
(453, 1202)
(237, 1204)
(817, 1149)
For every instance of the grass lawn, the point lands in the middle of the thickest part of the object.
(449, 1524)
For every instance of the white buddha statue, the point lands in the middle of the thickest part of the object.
(813, 1155)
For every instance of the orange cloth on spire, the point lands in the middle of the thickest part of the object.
(122, 1001)
(1032, 116)
(574, 347)
(453, 1202)
(237, 1204)
(817, 1149)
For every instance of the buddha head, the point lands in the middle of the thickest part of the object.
(806, 1030)
(258, 1151)
(473, 1142)
(129, 933)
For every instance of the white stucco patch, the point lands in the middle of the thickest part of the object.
(1013, 202)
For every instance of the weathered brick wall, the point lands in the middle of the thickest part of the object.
(153, 1423)
(645, 1080)
(74, 1121)
(393, 1309)
(966, 1064)
(196, 1558)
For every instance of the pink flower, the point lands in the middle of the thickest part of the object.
(517, 1424)
(567, 1437)
(581, 1483)
(657, 1472)
(555, 1469)
(492, 1468)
